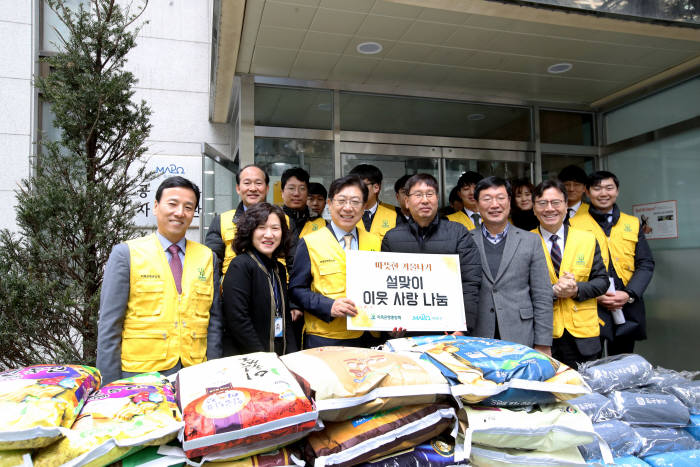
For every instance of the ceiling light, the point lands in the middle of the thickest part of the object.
(475, 117)
(369, 48)
(558, 68)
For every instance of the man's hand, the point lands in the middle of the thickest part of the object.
(566, 287)
(614, 300)
(343, 307)
(545, 349)
(296, 314)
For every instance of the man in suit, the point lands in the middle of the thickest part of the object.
(402, 212)
(469, 215)
(251, 185)
(159, 305)
(577, 273)
(515, 299)
(377, 217)
(627, 257)
(317, 282)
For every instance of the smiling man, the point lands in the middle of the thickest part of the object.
(515, 300)
(627, 257)
(469, 215)
(251, 185)
(159, 306)
(574, 179)
(425, 232)
(317, 282)
(577, 274)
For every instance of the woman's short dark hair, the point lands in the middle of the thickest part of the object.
(517, 185)
(422, 178)
(492, 182)
(349, 180)
(257, 215)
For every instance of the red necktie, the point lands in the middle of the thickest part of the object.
(176, 266)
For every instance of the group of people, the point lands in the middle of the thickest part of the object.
(539, 266)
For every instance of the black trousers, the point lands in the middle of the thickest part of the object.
(620, 345)
(572, 351)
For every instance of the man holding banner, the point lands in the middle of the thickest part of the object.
(317, 283)
(425, 232)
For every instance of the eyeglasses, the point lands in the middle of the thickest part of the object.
(542, 203)
(488, 199)
(353, 202)
(295, 189)
(421, 195)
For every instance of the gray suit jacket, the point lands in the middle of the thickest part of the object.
(519, 296)
(113, 299)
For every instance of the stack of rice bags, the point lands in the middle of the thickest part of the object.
(636, 410)
(514, 412)
(373, 403)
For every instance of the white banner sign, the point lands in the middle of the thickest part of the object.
(167, 166)
(417, 292)
(658, 220)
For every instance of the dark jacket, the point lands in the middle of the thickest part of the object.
(213, 238)
(442, 237)
(247, 306)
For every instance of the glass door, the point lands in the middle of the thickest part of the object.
(218, 186)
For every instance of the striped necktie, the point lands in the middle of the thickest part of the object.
(555, 253)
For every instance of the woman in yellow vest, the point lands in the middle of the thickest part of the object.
(255, 304)
(317, 283)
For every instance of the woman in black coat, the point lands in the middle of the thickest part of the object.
(521, 212)
(256, 307)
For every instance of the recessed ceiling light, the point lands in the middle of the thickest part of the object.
(369, 48)
(558, 68)
(475, 117)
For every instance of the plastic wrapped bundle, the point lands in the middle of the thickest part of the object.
(350, 381)
(250, 403)
(627, 461)
(694, 426)
(640, 408)
(373, 436)
(500, 373)
(621, 438)
(690, 458)
(616, 373)
(38, 401)
(658, 440)
(688, 393)
(118, 419)
(598, 407)
(663, 378)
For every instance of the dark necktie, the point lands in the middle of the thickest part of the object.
(555, 253)
(367, 220)
(477, 219)
(176, 266)
(569, 214)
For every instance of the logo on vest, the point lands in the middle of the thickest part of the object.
(385, 224)
(202, 277)
(580, 260)
(149, 276)
(314, 227)
(628, 228)
(326, 261)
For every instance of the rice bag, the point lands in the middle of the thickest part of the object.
(657, 440)
(491, 457)
(621, 438)
(617, 372)
(501, 373)
(151, 455)
(690, 458)
(541, 428)
(694, 426)
(350, 381)
(16, 458)
(117, 420)
(247, 402)
(688, 393)
(640, 408)
(598, 407)
(438, 452)
(36, 402)
(377, 435)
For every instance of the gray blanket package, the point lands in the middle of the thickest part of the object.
(657, 440)
(641, 408)
(621, 438)
(616, 372)
(663, 378)
(598, 407)
(688, 393)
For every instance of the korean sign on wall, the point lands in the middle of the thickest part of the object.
(414, 291)
(164, 167)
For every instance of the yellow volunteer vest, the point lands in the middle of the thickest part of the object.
(228, 233)
(462, 218)
(160, 326)
(579, 318)
(581, 211)
(621, 245)
(312, 226)
(384, 220)
(328, 272)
